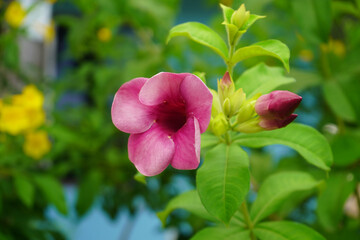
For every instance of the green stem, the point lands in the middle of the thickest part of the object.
(248, 221)
(229, 64)
(227, 138)
(230, 69)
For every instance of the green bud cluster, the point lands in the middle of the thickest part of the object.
(240, 17)
(236, 24)
(247, 120)
(231, 110)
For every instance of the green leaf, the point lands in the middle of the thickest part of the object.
(189, 201)
(238, 220)
(351, 88)
(262, 79)
(88, 190)
(208, 141)
(140, 178)
(202, 34)
(227, 13)
(252, 19)
(201, 75)
(223, 180)
(341, 8)
(10, 54)
(231, 29)
(284, 230)
(307, 141)
(338, 101)
(217, 233)
(332, 199)
(52, 191)
(314, 18)
(276, 189)
(304, 80)
(272, 48)
(346, 149)
(24, 189)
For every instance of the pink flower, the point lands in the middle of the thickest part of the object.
(165, 115)
(276, 109)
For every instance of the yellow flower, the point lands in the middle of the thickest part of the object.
(306, 55)
(30, 97)
(35, 117)
(13, 119)
(337, 47)
(37, 144)
(25, 112)
(15, 14)
(49, 33)
(104, 34)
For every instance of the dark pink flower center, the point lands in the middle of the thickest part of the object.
(171, 115)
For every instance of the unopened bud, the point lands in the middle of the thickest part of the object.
(226, 107)
(275, 109)
(250, 126)
(240, 16)
(237, 99)
(246, 112)
(216, 106)
(277, 104)
(219, 124)
(226, 87)
(271, 124)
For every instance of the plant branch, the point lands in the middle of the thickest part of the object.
(248, 221)
(227, 138)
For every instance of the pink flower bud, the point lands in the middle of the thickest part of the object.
(226, 87)
(226, 80)
(271, 124)
(275, 109)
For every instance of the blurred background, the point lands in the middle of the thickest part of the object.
(64, 170)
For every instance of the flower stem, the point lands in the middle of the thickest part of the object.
(229, 64)
(227, 138)
(248, 221)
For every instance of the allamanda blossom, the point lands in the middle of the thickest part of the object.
(165, 115)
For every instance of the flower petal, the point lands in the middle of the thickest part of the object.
(127, 112)
(187, 146)
(198, 99)
(151, 151)
(275, 123)
(162, 87)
